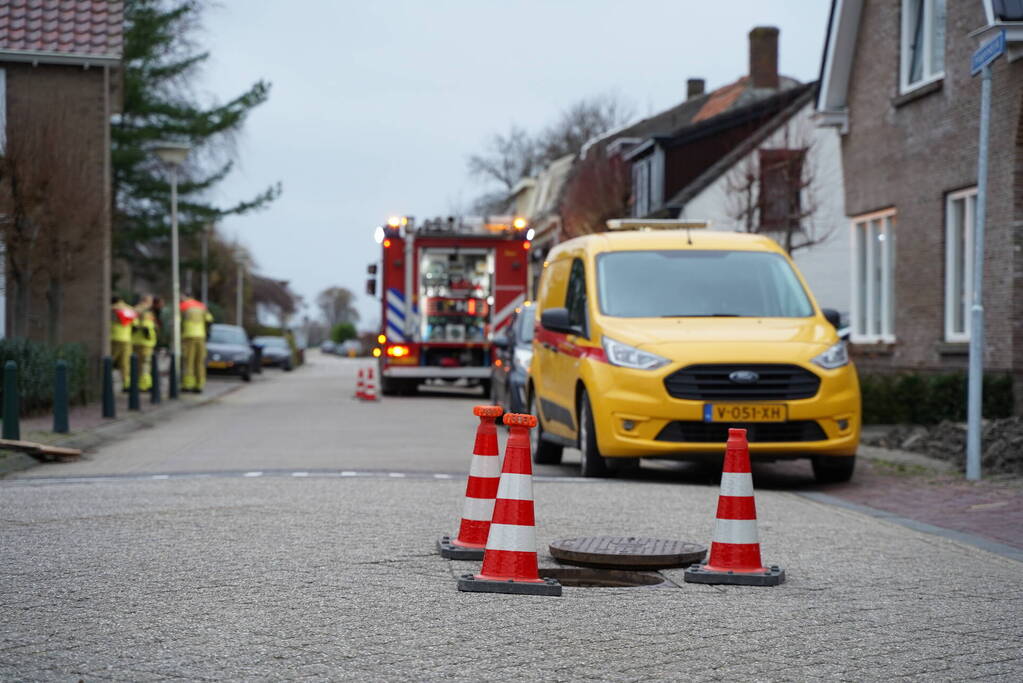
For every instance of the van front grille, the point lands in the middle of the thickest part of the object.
(717, 383)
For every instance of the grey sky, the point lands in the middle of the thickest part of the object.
(376, 105)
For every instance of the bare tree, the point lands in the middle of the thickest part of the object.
(774, 190)
(338, 306)
(507, 158)
(275, 295)
(518, 154)
(581, 122)
(598, 190)
(49, 210)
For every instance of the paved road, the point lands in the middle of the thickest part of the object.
(287, 548)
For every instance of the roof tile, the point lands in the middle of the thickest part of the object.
(77, 27)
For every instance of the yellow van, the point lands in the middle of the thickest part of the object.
(653, 342)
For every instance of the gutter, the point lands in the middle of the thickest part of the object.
(37, 57)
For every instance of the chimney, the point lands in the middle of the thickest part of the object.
(763, 57)
(694, 88)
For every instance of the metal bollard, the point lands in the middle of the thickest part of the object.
(60, 399)
(172, 388)
(257, 359)
(154, 391)
(109, 403)
(12, 427)
(133, 387)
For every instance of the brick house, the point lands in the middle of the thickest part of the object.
(59, 86)
(895, 80)
(750, 158)
(680, 161)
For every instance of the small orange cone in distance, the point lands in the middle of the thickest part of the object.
(480, 490)
(735, 551)
(369, 392)
(509, 561)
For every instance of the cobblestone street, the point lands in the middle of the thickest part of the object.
(307, 551)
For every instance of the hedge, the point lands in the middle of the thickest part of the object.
(929, 398)
(37, 363)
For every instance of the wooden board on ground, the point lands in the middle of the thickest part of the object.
(41, 451)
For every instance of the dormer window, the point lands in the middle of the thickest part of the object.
(923, 43)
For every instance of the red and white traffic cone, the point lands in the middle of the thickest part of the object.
(369, 392)
(509, 561)
(735, 551)
(360, 385)
(480, 490)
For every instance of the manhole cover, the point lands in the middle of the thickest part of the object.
(578, 577)
(627, 551)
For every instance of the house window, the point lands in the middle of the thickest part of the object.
(641, 188)
(780, 195)
(923, 42)
(873, 267)
(960, 213)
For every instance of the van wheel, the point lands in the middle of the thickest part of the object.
(833, 469)
(593, 463)
(544, 452)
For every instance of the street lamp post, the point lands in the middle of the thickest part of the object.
(239, 284)
(205, 280)
(174, 154)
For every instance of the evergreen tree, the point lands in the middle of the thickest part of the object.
(160, 65)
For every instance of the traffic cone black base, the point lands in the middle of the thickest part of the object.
(468, 582)
(735, 551)
(771, 576)
(449, 550)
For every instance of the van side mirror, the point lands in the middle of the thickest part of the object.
(833, 317)
(556, 320)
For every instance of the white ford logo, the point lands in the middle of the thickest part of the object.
(744, 377)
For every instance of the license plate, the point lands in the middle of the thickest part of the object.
(744, 412)
(218, 364)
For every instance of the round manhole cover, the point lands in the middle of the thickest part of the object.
(627, 551)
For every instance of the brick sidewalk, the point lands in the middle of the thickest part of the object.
(991, 508)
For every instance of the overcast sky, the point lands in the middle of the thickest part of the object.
(375, 106)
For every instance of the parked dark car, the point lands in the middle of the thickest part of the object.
(228, 351)
(513, 350)
(276, 351)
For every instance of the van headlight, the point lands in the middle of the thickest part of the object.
(627, 356)
(835, 357)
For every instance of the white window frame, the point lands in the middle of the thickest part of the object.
(864, 331)
(905, 55)
(951, 245)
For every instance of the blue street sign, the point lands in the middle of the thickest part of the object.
(987, 53)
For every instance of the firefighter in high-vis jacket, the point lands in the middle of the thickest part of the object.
(122, 321)
(143, 340)
(194, 319)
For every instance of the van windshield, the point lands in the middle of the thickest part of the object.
(691, 283)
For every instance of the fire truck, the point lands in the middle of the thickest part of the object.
(446, 287)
